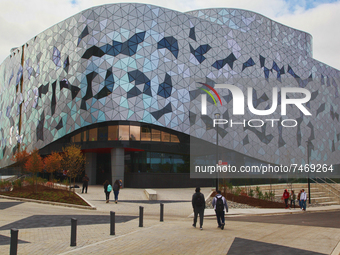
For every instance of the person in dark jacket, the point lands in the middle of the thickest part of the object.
(116, 187)
(107, 193)
(85, 183)
(220, 203)
(198, 205)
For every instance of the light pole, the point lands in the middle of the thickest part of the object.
(217, 116)
(308, 181)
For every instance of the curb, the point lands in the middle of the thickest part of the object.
(91, 207)
(94, 208)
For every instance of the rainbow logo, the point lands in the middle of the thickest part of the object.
(209, 93)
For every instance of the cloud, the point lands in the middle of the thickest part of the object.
(22, 20)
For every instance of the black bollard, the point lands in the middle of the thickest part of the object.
(141, 208)
(162, 212)
(112, 223)
(73, 232)
(14, 241)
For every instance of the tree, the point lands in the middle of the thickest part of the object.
(73, 161)
(20, 158)
(34, 165)
(53, 163)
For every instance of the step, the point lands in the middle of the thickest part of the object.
(319, 200)
(329, 203)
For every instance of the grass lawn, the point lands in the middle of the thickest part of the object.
(45, 193)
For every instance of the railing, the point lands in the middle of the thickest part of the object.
(329, 188)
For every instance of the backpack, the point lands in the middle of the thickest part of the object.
(115, 187)
(199, 200)
(219, 204)
(109, 188)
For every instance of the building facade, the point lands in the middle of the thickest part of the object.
(124, 82)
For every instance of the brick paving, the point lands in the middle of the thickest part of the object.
(173, 236)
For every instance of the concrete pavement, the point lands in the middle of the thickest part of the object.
(43, 228)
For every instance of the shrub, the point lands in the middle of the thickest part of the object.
(238, 191)
(251, 193)
(17, 183)
(260, 195)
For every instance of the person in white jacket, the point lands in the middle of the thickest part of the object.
(220, 203)
(303, 198)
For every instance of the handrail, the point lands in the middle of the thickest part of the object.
(331, 180)
(328, 184)
(336, 195)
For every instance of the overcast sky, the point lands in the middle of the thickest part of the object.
(20, 20)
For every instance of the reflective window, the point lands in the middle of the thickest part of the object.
(77, 138)
(102, 134)
(165, 137)
(145, 134)
(112, 133)
(174, 139)
(134, 133)
(93, 133)
(123, 132)
(156, 135)
(84, 136)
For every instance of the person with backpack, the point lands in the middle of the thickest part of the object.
(198, 205)
(116, 187)
(107, 190)
(219, 203)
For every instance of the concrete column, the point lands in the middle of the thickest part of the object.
(91, 167)
(117, 164)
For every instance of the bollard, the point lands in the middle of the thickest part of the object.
(73, 232)
(14, 242)
(141, 216)
(112, 223)
(162, 212)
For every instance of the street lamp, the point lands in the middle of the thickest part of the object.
(308, 181)
(217, 116)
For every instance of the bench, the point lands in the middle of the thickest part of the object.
(150, 194)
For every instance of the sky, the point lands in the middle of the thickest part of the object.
(21, 20)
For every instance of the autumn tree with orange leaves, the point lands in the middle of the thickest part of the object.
(20, 158)
(34, 165)
(53, 163)
(73, 161)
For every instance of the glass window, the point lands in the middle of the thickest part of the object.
(72, 139)
(113, 133)
(123, 132)
(156, 135)
(77, 138)
(165, 137)
(145, 134)
(93, 133)
(102, 134)
(134, 133)
(174, 139)
(84, 136)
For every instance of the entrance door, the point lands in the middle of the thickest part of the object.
(103, 168)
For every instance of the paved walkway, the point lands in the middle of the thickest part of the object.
(44, 229)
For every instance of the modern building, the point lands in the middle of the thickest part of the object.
(124, 81)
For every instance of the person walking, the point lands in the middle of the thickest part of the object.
(198, 205)
(286, 197)
(303, 199)
(292, 199)
(107, 190)
(219, 203)
(116, 187)
(85, 183)
(298, 198)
